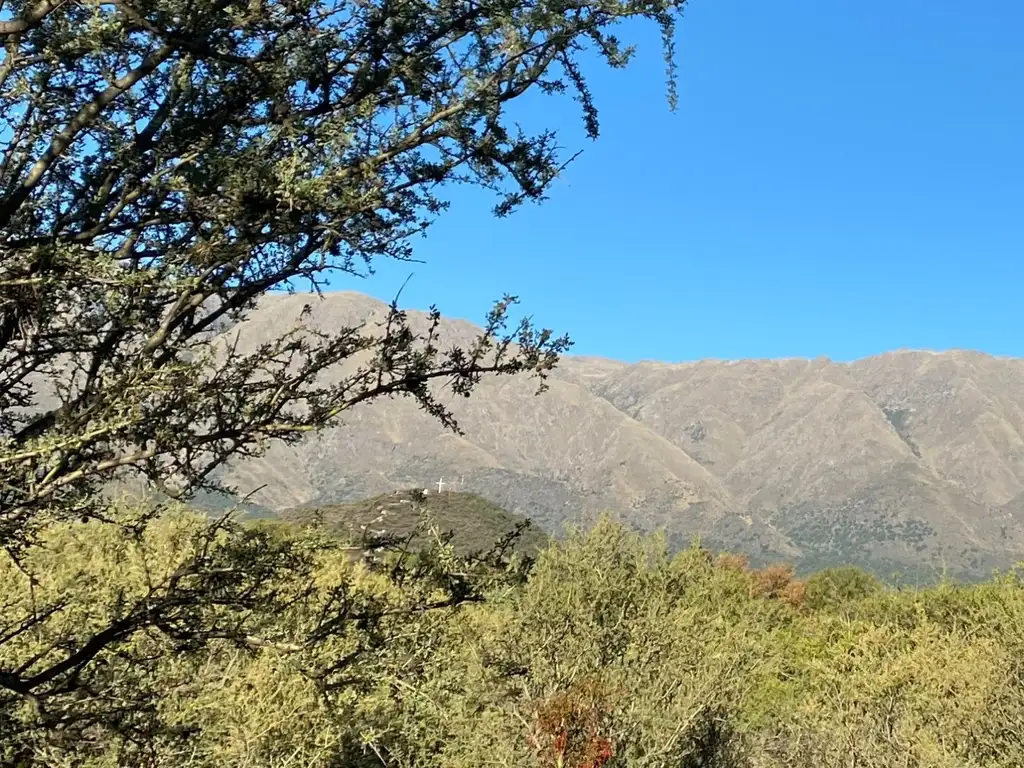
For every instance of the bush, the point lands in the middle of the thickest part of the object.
(609, 654)
(833, 587)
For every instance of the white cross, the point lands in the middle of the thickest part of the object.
(440, 484)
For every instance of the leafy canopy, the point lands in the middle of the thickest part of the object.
(164, 164)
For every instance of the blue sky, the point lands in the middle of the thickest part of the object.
(841, 178)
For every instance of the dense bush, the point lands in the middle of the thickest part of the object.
(833, 587)
(609, 653)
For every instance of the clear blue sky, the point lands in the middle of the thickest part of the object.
(841, 178)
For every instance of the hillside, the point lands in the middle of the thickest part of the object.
(909, 461)
(475, 523)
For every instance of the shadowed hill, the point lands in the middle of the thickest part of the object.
(476, 524)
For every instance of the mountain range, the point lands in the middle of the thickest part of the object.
(908, 462)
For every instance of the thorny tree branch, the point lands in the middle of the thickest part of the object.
(166, 165)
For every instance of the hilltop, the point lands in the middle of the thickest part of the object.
(475, 523)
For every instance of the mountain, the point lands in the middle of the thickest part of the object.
(909, 461)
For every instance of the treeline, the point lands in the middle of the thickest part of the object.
(605, 651)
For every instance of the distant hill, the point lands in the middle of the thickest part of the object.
(910, 461)
(215, 504)
(476, 523)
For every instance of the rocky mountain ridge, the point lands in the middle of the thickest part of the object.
(910, 461)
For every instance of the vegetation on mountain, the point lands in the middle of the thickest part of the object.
(471, 523)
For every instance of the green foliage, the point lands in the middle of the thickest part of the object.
(609, 653)
(834, 587)
(612, 651)
(251, 646)
(164, 166)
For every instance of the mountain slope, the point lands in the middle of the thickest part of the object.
(910, 460)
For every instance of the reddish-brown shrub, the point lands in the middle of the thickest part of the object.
(570, 728)
(771, 581)
(775, 582)
(795, 593)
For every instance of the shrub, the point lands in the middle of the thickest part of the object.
(833, 587)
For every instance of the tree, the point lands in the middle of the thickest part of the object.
(166, 163)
